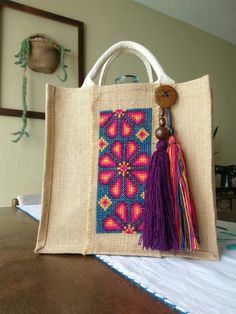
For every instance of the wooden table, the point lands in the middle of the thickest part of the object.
(58, 284)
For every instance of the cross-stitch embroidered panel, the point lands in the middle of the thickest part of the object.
(124, 154)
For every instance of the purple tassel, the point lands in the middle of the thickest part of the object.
(159, 232)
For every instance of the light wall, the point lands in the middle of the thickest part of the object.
(184, 51)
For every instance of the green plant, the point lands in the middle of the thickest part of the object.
(22, 61)
(23, 131)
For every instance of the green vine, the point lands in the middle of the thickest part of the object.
(23, 131)
(22, 58)
(62, 64)
(23, 53)
(22, 61)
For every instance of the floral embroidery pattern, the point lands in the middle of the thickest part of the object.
(124, 154)
(121, 222)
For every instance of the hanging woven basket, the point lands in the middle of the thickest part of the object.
(44, 54)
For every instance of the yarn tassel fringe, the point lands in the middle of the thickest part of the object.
(159, 232)
(184, 212)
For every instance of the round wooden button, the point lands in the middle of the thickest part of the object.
(165, 96)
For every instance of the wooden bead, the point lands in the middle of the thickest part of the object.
(162, 112)
(162, 133)
(162, 122)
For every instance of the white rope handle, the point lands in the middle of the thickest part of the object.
(161, 75)
(108, 63)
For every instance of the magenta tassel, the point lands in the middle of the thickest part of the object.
(159, 231)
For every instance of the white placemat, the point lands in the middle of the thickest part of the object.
(32, 210)
(189, 286)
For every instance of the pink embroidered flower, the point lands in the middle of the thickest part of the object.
(124, 119)
(121, 222)
(123, 168)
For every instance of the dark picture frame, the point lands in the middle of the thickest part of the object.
(55, 17)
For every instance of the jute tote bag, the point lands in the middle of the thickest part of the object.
(99, 141)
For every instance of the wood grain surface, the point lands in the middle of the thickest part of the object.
(58, 284)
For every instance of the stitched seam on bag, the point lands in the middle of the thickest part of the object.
(51, 172)
(45, 218)
(88, 237)
(207, 91)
